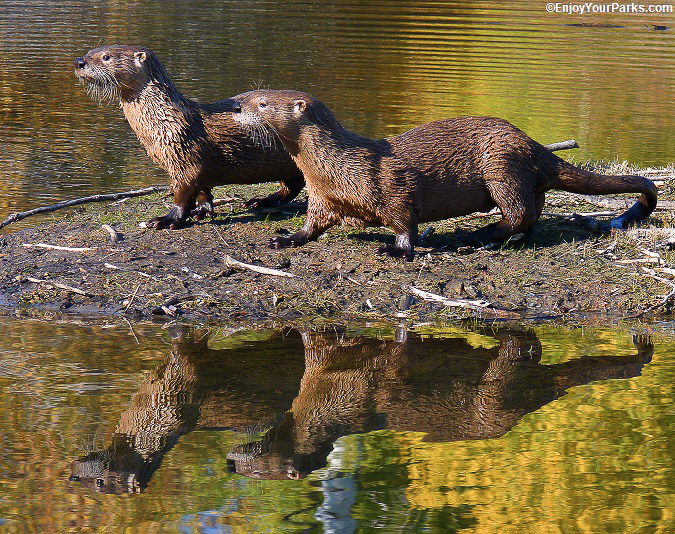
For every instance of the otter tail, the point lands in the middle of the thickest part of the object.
(576, 180)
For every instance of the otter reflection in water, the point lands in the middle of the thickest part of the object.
(195, 388)
(444, 387)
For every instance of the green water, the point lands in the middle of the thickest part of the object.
(382, 67)
(108, 427)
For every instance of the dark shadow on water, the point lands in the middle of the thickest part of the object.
(306, 389)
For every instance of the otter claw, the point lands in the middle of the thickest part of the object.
(160, 223)
(280, 242)
(201, 212)
(394, 252)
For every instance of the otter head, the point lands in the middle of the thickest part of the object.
(286, 114)
(120, 71)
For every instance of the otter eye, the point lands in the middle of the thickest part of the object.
(262, 105)
(106, 57)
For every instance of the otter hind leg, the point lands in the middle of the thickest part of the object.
(520, 210)
(288, 190)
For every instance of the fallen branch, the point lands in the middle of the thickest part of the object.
(58, 247)
(562, 145)
(84, 200)
(571, 215)
(49, 283)
(477, 305)
(231, 262)
(226, 200)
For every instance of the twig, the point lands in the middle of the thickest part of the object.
(478, 305)
(133, 296)
(132, 330)
(562, 145)
(54, 284)
(584, 214)
(231, 262)
(84, 200)
(652, 274)
(139, 273)
(226, 200)
(58, 247)
(639, 260)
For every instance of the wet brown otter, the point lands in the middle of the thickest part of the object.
(199, 145)
(438, 170)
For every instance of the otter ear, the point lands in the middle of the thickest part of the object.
(139, 58)
(299, 106)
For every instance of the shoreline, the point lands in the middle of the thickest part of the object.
(564, 271)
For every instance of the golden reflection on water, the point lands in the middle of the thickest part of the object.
(383, 68)
(440, 426)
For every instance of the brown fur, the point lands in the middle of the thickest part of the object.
(438, 170)
(199, 145)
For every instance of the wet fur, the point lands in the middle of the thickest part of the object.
(441, 169)
(199, 145)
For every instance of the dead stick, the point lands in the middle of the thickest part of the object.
(133, 296)
(55, 284)
(562, 145)
(57, 247)
(231, 262)
(84, 200)
(477, 305)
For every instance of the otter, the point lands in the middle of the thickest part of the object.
(199, 145)
(439, 170)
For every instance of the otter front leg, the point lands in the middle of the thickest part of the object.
(288, 190)
(183, 204)
(204, 205)
(317, 222)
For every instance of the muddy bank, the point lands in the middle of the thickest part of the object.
(564, 269)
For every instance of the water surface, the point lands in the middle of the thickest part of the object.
(108, 427)
(607, 81)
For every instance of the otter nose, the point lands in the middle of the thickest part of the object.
(237, 107)
(80, 63)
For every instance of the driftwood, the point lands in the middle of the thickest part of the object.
(562, 145)
(84, 200)
(231, 262)
(58, 247)
(14, 217)
(476, 305)
(49, 283)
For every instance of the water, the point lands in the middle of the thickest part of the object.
(112, 428)
(382, 68)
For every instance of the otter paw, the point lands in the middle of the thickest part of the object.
(160, 223)
(201, 212)
(395, 252)
(266, 202)
(281, 242)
